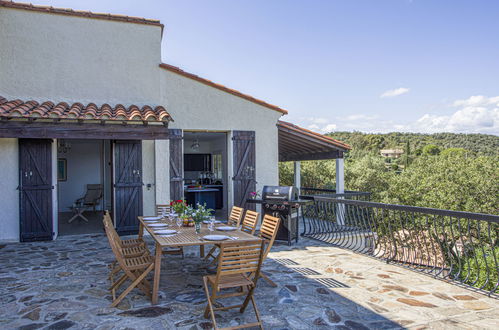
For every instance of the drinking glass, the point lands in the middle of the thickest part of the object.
(211, 225)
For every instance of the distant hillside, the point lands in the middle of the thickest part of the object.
(476, 143)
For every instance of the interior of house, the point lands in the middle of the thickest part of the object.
(84, 185)
(205, 170)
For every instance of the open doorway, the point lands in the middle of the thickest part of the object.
(84, 185)
(205, 170)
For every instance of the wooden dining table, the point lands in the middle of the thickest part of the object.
(185, 236)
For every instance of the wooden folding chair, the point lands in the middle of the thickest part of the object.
(249, 222)
(132, 242)
(161, 207)
(268, 233)
(130, 248)
(236, 213)
(135, 269)
(236, 261)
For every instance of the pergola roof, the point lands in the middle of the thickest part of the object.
(10, 109)
(62, 120)
(297, 143)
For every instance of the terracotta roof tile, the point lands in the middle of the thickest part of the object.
(221, 87)
(63, 110)
(80, 13)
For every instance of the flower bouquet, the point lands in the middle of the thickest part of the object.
(179, 206)
(200, 214)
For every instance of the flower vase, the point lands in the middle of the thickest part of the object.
(197, 226)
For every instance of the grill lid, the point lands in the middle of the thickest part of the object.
(281, 193)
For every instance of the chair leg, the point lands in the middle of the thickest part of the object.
(257, 313)
(210, 253)
(247, 300)
(209, 307)
(266, 278)
(136, 282)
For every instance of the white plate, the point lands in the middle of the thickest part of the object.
(208, 221)
(151, 218)
(158, 225)
(226, 228)
(215, 237)
(165, 231)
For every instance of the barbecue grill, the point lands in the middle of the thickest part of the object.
(282, 202)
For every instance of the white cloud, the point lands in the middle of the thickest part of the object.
(328, 128)
(319, 124)
(317, 120)
(360, 117)
(477, 114)
(394, 92)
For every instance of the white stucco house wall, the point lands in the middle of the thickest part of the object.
(74, 80)
(57, 56)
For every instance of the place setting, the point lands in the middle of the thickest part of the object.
(165, 232)
(153, 219)
(226, 228)
(218, 238)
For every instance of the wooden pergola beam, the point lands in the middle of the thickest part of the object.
(75, 130)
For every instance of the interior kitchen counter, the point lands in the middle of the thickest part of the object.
(200, 190)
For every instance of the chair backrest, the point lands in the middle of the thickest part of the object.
(93, 194)
(112, 236)
(240, 258)
(236, 214)
(110, 230)
(249, 222)
(160, 207)
(268, 231)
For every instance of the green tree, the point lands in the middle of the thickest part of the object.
(450, 182)
(368, 173)
(454, 151)
(431, 149)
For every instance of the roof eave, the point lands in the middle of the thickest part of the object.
(223, 88)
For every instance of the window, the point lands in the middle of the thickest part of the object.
(217, 166)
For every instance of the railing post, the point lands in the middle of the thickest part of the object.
(340, 189)
(297, 178)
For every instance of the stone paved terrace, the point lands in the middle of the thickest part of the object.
(62, 284)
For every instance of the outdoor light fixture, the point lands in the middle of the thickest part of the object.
(195, 145)
(63, 147)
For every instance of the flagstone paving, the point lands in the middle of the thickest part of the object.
(63, 284)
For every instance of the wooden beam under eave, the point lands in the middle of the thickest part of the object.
(311, 156)
(65, 130)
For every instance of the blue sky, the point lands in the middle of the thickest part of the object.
(368, 65)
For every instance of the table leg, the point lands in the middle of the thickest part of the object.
(157, 272)
(201, 251)
(141, 230)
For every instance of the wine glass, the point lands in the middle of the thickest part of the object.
(179, 222)
(163, 212)
(211, 225)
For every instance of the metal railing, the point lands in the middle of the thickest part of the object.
(461, 247)
(350, 194)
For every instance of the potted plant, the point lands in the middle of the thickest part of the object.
(200, 214)
(179, 206)
(255, 194)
